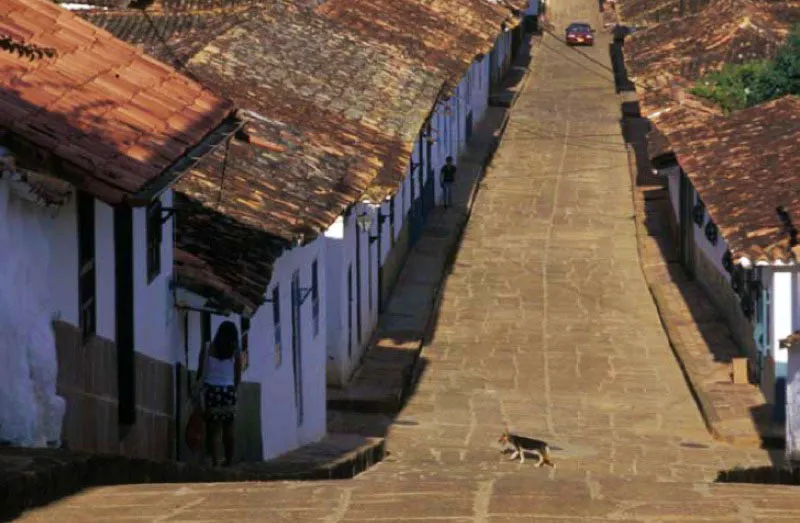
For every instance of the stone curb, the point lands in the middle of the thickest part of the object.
(705, 404)
(56, 474)
(706, 408)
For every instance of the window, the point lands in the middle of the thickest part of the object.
(315, 297)
(446, 132)
(154, 236)
(392, 210)
(276, 324)
(205, 328)
(350, 310)
(297, 347)
(87, 287)
(244, 326)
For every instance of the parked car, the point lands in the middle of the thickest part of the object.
(579, 33)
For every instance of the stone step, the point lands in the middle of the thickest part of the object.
(34, 477)
(336, 456)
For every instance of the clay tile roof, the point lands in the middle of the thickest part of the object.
(728, 32)
(446, 38)
(447, 35)
(235, 280)
(672, 113)
(744, 166)
(337, 113)
(91, 104)
(185, 24)
(635, 12)
(283, 183)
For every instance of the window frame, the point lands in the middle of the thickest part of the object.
(276, 325)
(87, 265)
(155, 237)
(315, 298)
(244, 349)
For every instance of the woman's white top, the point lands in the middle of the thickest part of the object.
(219, 372)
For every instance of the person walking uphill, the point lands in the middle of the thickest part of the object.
(448, 178)
(221, 372)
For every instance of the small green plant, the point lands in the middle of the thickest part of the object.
(745, 85)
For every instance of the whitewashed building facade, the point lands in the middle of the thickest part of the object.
(91, 249)
(742, 252)
(284, 341)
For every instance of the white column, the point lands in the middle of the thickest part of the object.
(782, 313)
(792, 348)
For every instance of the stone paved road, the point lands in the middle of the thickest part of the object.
(546, 324)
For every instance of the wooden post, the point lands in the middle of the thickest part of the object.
(739, 371)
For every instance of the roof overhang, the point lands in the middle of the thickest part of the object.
(174, 172)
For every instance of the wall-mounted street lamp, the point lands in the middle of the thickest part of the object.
(364, 223)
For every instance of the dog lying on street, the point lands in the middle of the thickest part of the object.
(521, 445)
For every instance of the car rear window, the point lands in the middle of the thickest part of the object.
(578, 27)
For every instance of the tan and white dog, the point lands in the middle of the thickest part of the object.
(522, 445)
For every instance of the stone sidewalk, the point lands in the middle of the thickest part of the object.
(390, 363)
(735, 413)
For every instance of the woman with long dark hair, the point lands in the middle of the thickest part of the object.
(220, 366)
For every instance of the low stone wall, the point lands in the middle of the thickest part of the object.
(87, 380)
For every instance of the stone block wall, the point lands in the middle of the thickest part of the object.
(87, 380)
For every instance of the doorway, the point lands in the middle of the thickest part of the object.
(297, 355)
(350, 311)
(686, 225)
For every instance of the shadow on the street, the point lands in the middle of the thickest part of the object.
(663, 267)
(621, 80)
(767, 475)
(391, 352)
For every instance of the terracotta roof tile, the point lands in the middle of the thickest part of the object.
(742, 166)
(84, 92)
(447, 35)
(238, 279)
(657, 11)
(729, 31)
(339, 112)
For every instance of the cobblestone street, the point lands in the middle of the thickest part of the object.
(545, 324)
